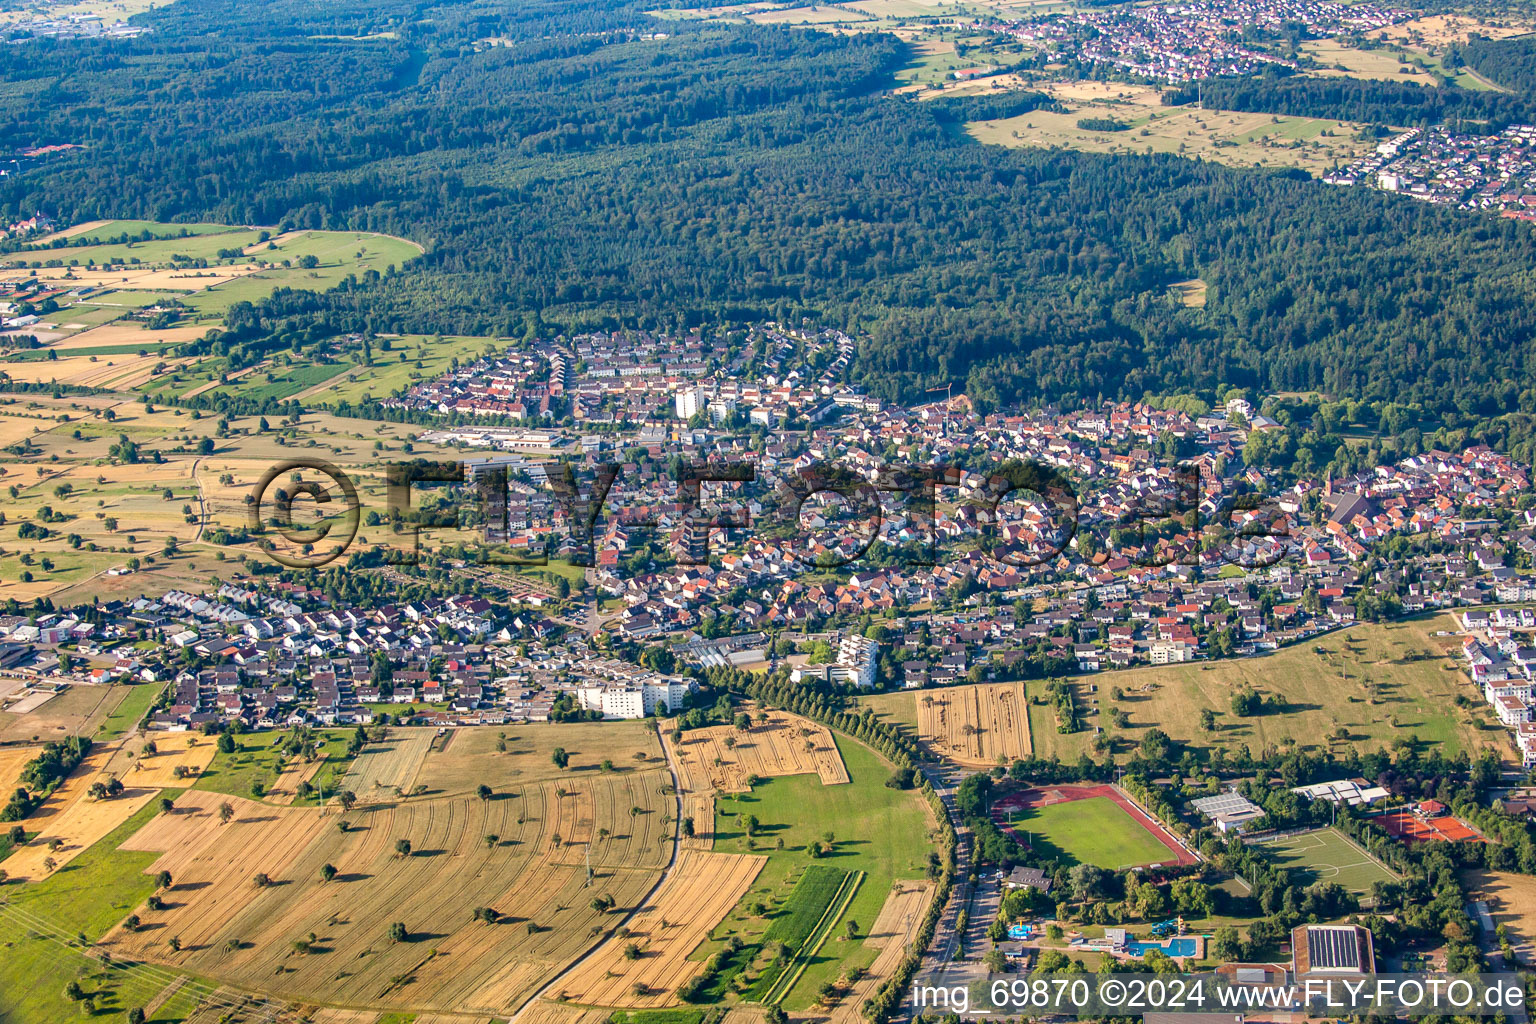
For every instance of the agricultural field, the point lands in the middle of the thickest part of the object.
(1368, 686)
(259, 761)
(723, 758)
(59, 462)
(383, 770)
(207, 267)
(78, 709)
(698, 892)
(893, 932)
(43, 923)
(71, 820)
(340, 254)
(1337, 59)
(12, 761)
(1326, 855)
(1378, 683)
(974, 726)
(1435, 32)
(1229, 137)
(470, 757)
(177, 759)
(408, 360)
(525, 853)
(1511, 900)
(130, 711)
(883, 833)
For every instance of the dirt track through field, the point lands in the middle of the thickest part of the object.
(893, 931)
(700, 891)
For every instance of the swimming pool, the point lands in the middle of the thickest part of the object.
(1172, 947)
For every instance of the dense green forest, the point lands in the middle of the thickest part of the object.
(1372, 101)
(1509, 62)
(587, 172)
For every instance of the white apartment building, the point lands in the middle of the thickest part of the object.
(689, 402)
(637, 699)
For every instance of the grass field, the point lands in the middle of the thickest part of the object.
(1511, 900)
(257, 758)
(1229, 137)
(1094, 831)
(130, 710)
(85, 897)
(1327, 856)
(882, 832)
(1378, 683)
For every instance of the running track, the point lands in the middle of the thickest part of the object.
(1061, 793)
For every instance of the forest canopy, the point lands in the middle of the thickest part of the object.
(598, 167)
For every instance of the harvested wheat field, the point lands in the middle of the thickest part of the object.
(893, 931)
(12, 761)
(698, 804)
(70, 820)
(1441, 30)
(474, 756)
(699, 892)
(145, 279)
(722, 757)
(187, 751)
(975, 725)
(130, 333)
(331, 1015)
(523, 853)
(1511, 901)
(119, 372)
(285, 788)
(544, 1012)
(384, 770)
(701, 808)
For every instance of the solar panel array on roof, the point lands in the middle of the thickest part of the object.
(1224, 804)
(1333, 948)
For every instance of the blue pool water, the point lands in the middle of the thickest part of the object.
(1173, 947)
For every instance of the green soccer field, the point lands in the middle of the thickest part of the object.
(1326, 856)
(1094, 831)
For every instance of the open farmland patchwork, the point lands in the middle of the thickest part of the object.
(523, 853)
(696, 896)
(71, 819)
(723, 758)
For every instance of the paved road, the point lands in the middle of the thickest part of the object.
(939, 959)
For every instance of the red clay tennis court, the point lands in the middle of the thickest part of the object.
(1409, 827)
